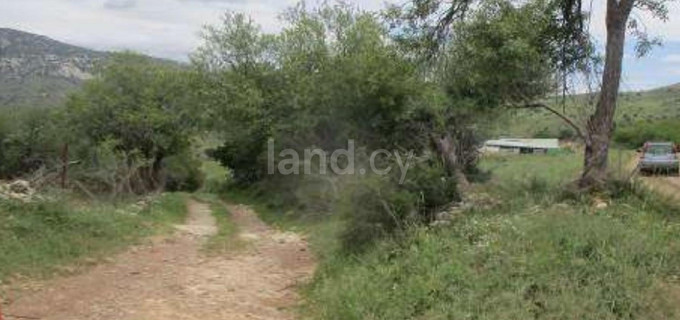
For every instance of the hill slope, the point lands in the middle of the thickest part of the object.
(653, 105)
(36, 70)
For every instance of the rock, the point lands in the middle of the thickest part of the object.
(20, 187)
(286, 237)
(601, 205)
(443, 216)
(440, 223)
(19, 190)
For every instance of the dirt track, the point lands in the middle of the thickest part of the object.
(666, 185)
(171, 279)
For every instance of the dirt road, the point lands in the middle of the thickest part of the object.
(172, 279)
(668, 186)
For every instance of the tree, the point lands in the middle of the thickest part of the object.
(499, 54)
(138, 104)
(600, 127)
(565, 44)
(330, 76)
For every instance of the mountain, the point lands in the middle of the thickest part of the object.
(38, 71)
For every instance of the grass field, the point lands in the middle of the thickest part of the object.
(555, 169)
(536, 253)
(38, 239)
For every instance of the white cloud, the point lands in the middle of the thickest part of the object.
(163, 28)
(169, 28)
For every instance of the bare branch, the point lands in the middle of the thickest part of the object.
(562, 116)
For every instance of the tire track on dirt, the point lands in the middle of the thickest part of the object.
(171, 279)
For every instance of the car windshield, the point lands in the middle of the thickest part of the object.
(659, 150)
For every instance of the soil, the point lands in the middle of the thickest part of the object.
(172, 278)
(667, 185)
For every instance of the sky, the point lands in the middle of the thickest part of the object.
(170, 28)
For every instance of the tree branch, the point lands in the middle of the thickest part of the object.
(564, 118)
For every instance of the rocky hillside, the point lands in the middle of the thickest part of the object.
(36, 70)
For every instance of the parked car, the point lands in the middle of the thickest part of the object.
(659, 157)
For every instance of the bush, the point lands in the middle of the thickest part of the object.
(635, 135)
(183, 172)
(380, 206)
(375, 208)
(27, 140)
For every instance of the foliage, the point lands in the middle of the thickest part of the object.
(559, 265)
(304, 87)
(635, 135)
(498, 57)
(380, 206)
(183, 172)
(37, 239)
(217, 178)
(28, 140)
(334, 74)
(532, 255)
(137, 104)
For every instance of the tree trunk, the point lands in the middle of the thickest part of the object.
(601, 124)
(64, 167)
(446, 148)
(157, 174)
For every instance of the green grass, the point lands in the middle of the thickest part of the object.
(553, 169)
(324, 232)
(216, 176)
(535, 254)
(38, 239)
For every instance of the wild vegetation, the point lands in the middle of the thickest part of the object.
(531, 252)
(455, 236)
(51, 235)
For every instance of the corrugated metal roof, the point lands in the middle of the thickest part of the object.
(525, 143)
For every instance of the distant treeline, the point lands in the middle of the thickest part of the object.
(636, 134)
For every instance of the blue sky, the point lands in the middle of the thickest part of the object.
(661, 67)
(169, 28)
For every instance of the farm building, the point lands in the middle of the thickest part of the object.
(521, 146)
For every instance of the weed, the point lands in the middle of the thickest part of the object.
(37, 238)
(532, 257)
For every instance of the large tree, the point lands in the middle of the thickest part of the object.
(600, 125)
(566, 43)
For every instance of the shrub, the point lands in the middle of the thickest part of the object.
(375, 208)
(183, 172)
(27, 140)
(635, 135)
(381, 206)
